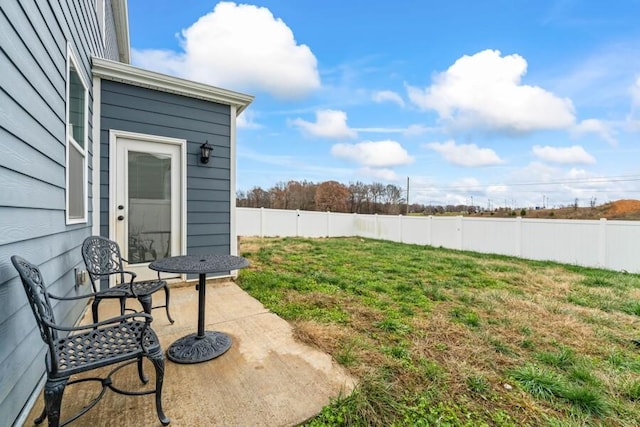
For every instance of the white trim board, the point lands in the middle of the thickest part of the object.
(113, 135)
(124, 73)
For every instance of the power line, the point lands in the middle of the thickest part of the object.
(599, 180)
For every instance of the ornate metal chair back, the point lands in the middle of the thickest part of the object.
(102, 258)
(38, 297)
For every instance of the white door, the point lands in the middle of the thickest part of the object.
(147, 202)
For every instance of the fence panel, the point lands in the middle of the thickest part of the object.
(622, 244)
(445, 232)
(366, 226)
(312, 224)
(342, 225)
(389, 228)
(495, 235)
(248, 222)
(605, 244)
(566, 241)
(416, 230)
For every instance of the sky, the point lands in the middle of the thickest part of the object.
(496, 103)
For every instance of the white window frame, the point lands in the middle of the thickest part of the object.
(70, 141)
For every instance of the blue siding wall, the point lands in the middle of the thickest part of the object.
(142, 110)
(33, 60)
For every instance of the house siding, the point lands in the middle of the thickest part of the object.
(33, 60)
(110, 44)
(142, 110)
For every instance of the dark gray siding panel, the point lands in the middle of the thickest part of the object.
(33, 62)
(146, 111)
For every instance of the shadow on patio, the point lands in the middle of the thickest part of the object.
(265, 379)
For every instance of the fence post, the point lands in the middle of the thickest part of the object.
(518, 237)
(262, 222)
(328, 218)
(602, 243)
(354, 228)
(297, 222)
(460, 237)
(429, 230)
(375, 226)
(400, 225)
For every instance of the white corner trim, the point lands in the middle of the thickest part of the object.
(232, 172)
(95, 164)
(121, 19)
(124, 73)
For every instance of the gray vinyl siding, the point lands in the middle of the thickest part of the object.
(141, 110)
(33, 60)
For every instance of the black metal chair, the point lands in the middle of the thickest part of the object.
(117, 341)
(103, 259)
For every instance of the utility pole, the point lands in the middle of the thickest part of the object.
(407, 195)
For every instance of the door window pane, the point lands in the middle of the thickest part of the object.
(149, 192)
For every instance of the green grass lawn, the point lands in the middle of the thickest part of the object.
(448, 338)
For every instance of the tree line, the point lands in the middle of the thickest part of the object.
(327, 196)
(357, 197)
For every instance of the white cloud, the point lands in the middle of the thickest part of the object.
(388, 96)
(241, 47)
(469, 155)
(566, 155)
(383, 174)
(633, 119)
(635, 93)
(246, 120)
(485, 90)
(328, 124)
(466, 184)
(594, 126)
(414, 130)
(379, 154)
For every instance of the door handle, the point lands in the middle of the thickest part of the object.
(120, 217)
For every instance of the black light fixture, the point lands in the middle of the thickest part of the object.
(205, 152)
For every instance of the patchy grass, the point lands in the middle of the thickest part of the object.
(442, 337)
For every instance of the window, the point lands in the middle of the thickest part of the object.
(76, 143)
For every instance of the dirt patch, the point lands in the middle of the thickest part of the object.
(624, 207)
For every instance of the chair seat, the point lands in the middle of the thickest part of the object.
(142, 288)
(147, 287)
(101, 347)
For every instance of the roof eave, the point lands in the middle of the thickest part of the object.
(125, 73)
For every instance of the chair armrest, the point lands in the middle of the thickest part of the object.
(131, 273)
(148, 318)
(89, 295)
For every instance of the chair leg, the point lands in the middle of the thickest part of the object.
(94, 309)
(166, 302)
(141, 374)
(53, 391)
(158, 362)
(42, 416)
(145, 301)
(123, 304)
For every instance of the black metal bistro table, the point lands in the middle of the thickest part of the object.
(203, 345)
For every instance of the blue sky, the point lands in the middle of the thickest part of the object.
(506, 103)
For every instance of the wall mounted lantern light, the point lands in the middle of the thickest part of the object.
(205, 152)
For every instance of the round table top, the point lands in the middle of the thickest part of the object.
(199, 264)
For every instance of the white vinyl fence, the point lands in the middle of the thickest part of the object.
(613, 245)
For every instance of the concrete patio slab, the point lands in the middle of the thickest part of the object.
(267, 378)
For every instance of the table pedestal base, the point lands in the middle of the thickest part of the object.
(195, 349)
